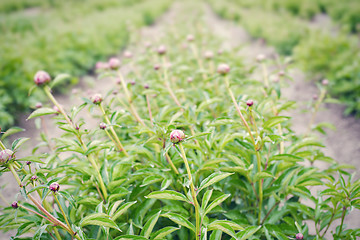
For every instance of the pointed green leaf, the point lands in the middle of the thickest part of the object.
(162, 233)
(168, 194)
(216, 202)
(149, 226)
(41, 112)
(213, 178)
(180, 220)
(59, 79)
(100, 219)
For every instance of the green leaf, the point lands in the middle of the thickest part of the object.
(286, 158)
(168, 194)
(11, 131)
(261, 175)
(177, 218)
(18, 142)
(99, 219)
(162, 233)
(41, 112)
(121, 210)
(59, 79)
(213, 178)
(248, 232)
(224, 227)
(146, 231)
(274, 121)
(130, 237)
(216, 202)
(205, 199)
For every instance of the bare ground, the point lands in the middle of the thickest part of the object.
(342, 144)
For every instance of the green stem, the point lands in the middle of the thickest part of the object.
(342, 219)
(258, 158)
(62, 210)
(198, 59)
(2, 146)
(117, 140)
(171, 163)
(193, 193)
(11, 167)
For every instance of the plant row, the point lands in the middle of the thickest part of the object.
(187, 146)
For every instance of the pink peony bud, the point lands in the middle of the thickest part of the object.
(325, 82)
(6, 155)
(161, 50)
(223, 69)
(146, 86)
(128, 54)
(260, 57)
(56, 109)
(315, 97)
(33, 177)
(190, 38)
(220, 52)
(177, 136)
(96, 98)
(115, 92)
(28, 162)
(14, 205)
(156, 67)
(147, 44)
(41, 77)
(190, 79)
(299, 236)
(38, 105)
(101, 65)
(208, 55)
(54, 187)
(102, 125)
(132, 82)
(114, 63)
(250, 102)
(281, 73)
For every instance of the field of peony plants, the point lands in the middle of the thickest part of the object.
(179, 137)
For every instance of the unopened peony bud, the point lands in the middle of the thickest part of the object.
(190, 38)
(115, 92)
(325, 82)
(161, 50)
(33, 177)
(38, 105)
(260, 57)
(299, 236)
(96, 98)
(56, 109)
(128, 54)
(190, 79)
(281, 73)
(132, 82)
(54, 187)
(101, 65)
(114, 63)
(315, 97)
(41, 77)
(156, 67)
(250, 102)
(220, 52)
(28, 162)
(177, 136)
(147, 44)
(14, 205)
(208, 55)
(102, 125)
(146, 86)
(223, 69)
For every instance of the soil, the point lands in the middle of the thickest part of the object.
(342, 144)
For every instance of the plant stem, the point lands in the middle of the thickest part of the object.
(30, 210)
(171, 163)
(193, 193)
(11, 167)
(167, 84)
(316, 109)
(258, 158)
(62, 210)
(198, 59)
(128, 96)
(149, 109)
(117, 140)
(2, 146)
(342, 219)
(331, 220)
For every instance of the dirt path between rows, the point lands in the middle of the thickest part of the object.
(342, 144)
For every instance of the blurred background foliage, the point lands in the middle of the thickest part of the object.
(61, 36)
(300, 29)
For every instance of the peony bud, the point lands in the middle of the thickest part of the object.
(6, 155)
(220, 52)
(299, 236)
(38, 105)
(161, 50)
(41, 77)
(177, 136)
(33, 177)
(260, 57)
(101, 65)
(190, 38)
(28, 162)
(190, 79)
(208, 55)
(146, 86)
(315, 97)
(223, 69)
(54, 187)
(56, 109)
(14, 205)
(115, 92)
(156, 67)
(128, 54)
(96, 98)
(281, 73)
(250, 102)
(132, 82)
(325, 82)
(147, 44)
(102, 126)
(114, 63)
